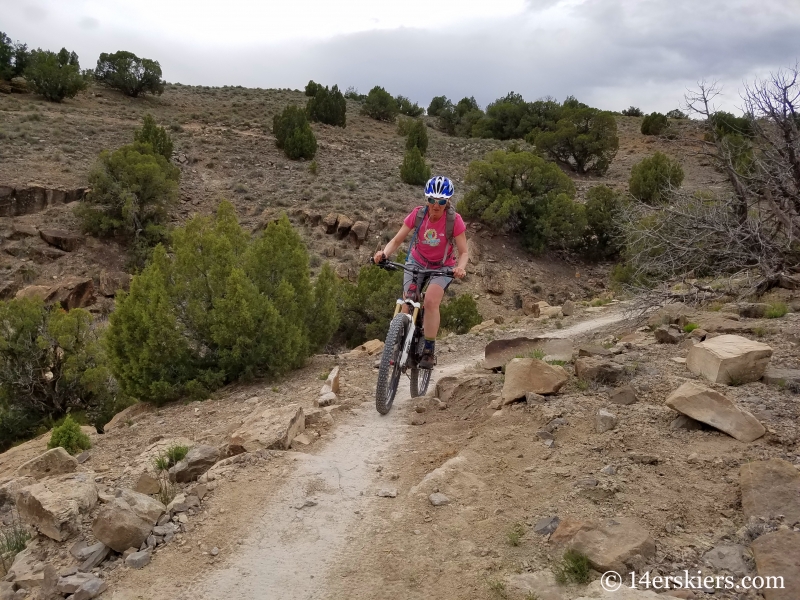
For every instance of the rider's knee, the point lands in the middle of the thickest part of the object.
(431, 303)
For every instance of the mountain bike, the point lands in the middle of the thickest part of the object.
(406, 340)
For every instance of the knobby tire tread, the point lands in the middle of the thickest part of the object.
(393, 347)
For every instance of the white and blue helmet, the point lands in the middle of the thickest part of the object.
(439, 187)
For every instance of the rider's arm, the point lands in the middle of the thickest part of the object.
(395, 242)
(463, 254)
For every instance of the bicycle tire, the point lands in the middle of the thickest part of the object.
(420, 378)
(388, 373)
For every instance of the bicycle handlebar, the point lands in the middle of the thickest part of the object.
(393, 266)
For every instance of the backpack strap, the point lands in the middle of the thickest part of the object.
(449, 226)
(421, 212)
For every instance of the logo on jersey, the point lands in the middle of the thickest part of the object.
(431, 238)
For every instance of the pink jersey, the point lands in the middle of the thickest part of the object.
(431, 244)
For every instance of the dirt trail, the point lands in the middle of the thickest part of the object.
(296, 539)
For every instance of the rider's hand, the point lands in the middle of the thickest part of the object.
(379, 257)
(459, 273)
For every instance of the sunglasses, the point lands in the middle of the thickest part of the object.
(441, 202)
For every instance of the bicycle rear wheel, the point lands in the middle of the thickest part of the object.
(420, 378)
(389, 371)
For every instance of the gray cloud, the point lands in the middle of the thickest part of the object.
(89, 23)
(608, 53)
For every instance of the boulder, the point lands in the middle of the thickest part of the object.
(72, 292)
(568, 308)
(33, 292)
(331, 382)
(132, 414)
(113, 281)
(725, 324)
(531, 375)
(27, 571)
(270, 428)
(753, 310)
(770, 488)
(729, 358)
(370, 348)
(21, 231)
(777, 555)
(147, 508)
(493, 281)
(198, 460)
(118, 526)
(358, 233)
(530, 307)
(623, 395)
(668, 335)
(11, 489)
(329, 222)
(53, 462)
(708, 406)
(611, 543)
(64, 240)
(343, 226)
(452, 390)
(56, 504)
(598, 369)
(498, 352)
(604, 421)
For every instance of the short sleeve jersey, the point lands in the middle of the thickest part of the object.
(431, 244)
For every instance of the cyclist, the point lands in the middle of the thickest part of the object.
(436, 228)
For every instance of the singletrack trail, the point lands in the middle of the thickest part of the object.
(296, 538)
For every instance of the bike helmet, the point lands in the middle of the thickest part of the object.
(439, 187)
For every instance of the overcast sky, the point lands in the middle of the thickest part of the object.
(608, 53)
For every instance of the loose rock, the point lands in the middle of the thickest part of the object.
(53, 462)
(197, 461)
(438, 499)
(270, 428)
(55, 505)
(598, 369)
(729, 358)
(530, 375)
(605, 421)
(770, 488)
(138, 560)
(623, 395)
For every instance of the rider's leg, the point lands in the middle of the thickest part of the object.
(433, 298)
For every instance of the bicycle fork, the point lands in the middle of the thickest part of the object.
(410, 335)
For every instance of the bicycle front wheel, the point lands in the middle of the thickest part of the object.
(389, 371)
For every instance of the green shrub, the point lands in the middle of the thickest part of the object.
(513, 192)
(776, 310)
(14, 536)
(573, 568)
(380, 105)
(69, 436)
(404, 125)
(55, 76)
(565, 223)
(437, 104)
(417, 136)
(328, 106)
(156, 136)
(351, 93)
(367, 307)
(460, 314)
(602, 213)
(293, 133)
(222, 306)
(312, 88)
(514, 535)
(690, 327)
(653, 178)
(676, 114)
(727, 123)
(414, 170)
(408, 108)
(632, 111)
(132, 190)
(130, 74)
(654, 124)
(39, 346)
(584, 139)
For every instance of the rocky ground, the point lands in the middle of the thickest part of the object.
(469, 492)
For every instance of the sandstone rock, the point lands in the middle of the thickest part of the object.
(325, 399)
(71, 583)
(623, 395)
(540, 585)
(685, 423)
(728, 557)
(708, 406)
(725, 324)
(92, 556)
(147, 508)
(132, 413)
(329, 222)
(56, 504)
(552, 312)
(358, 233)
(270, 428)
(387, 493)
(33, 292)
(781, 377)
(147, 484)
(777, 555)
(598, 369)
(72, 292)
(729, 358)
(21, 231)
(604, 421)
(530, 307)
(331, 382)
(138, 560)
(530, 375)
(53, 462)
(567, 529)
(753, 310)
(343, 226)
(438, 499)
(698, 334)
(770, 488)
(90, 589)
(568, 308)
(66, 241)
(371, 348)
(612, 542)
(113, 281)
(11, 489)
(493, 281)
(196, 462)
(498, 352)
(672, 314)
(119, 527)
(27, 571)
(593, 350)
(668, 335)
(532, 399)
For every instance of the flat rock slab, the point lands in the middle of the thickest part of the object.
(708, 406)
(56, 504)
(770, 488)
(498, 352)
(53, 462)
(531, 375)
(729, 358)
(623, 395)
(598, 369)
(270, 428)
(781, 377)
(777, 554)
(612, 542)
(728, 557)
